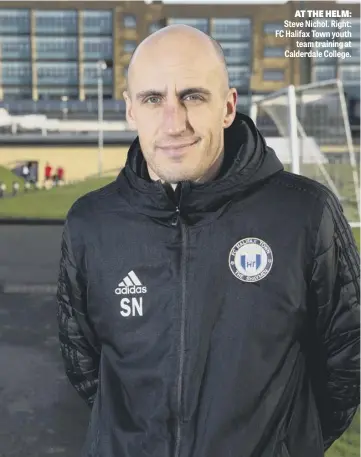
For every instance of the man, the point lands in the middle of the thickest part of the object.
(208, 300)
(25, 171)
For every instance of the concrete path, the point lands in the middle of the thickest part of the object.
(40, 413)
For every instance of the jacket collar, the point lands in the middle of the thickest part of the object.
(247, 164)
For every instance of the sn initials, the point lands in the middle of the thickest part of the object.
(132, 307)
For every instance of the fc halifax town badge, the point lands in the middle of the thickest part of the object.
(250, 259)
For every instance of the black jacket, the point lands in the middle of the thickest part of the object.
(219, 321)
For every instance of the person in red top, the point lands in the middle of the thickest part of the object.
(48, 169)
(60, 173)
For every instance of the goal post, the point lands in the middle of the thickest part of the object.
(309, 129)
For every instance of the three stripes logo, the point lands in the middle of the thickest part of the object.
(130, 285)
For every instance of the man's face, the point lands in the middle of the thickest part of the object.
(179, 107)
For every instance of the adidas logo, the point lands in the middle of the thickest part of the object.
(130, 285)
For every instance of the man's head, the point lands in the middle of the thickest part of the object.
(179, 101)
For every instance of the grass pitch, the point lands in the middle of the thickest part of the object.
(48, 204)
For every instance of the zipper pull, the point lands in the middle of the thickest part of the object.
(176, 217)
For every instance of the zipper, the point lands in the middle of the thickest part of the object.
(175, 218)
(184, 235)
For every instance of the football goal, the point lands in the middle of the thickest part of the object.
(309, 129)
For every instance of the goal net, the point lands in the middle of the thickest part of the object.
(309, 129)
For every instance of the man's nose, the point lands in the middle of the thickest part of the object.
(174, 118)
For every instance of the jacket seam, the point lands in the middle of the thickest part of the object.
(295, 186)
(315, 255)
(103, 192)
(320, 196)
(346, 255)
(340, 222)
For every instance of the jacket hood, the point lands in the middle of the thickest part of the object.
(248, 163)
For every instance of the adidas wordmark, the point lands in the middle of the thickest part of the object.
(130, 285)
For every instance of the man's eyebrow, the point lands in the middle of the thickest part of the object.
(181, 93)
(149, 93)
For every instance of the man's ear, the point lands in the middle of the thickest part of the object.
(129, 111)
(231, 108)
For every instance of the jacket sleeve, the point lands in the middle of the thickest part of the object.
(78, 343)
(334, 306)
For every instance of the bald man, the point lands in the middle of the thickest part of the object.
(208, 301)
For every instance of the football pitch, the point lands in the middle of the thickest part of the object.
(55, 203)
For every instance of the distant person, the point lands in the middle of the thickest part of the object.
(32, 173)
(60, 174)
(208, 300)
(25, 171)
(2, 189)
(16, 187)
(47, 172)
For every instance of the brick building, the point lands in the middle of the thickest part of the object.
(49, 51)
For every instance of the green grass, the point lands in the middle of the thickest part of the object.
(49, 204)
(8, 178)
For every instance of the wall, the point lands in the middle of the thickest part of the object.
(78, 162)
(148, 13)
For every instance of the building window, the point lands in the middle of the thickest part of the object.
(236, 53)
(349, 74)
(324, 72)
(56, 22)
(154, 27)
(15, 21)
(98, 48)
(273, 52)
(239, 76)
(91, 93)
(198, 23)
(91, 74)
(355, 28)
(14, 47)
(16, 73)
(273, 75)
(129, 46)
(244, 103)
(57, 73)
(55, 92)
(354, 51)
(231, 29)
(97, 22)
(17, 92)
(130, 21)
(63, 48)
(272, 27)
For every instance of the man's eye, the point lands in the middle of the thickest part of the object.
(152, 100)
(193, 97)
